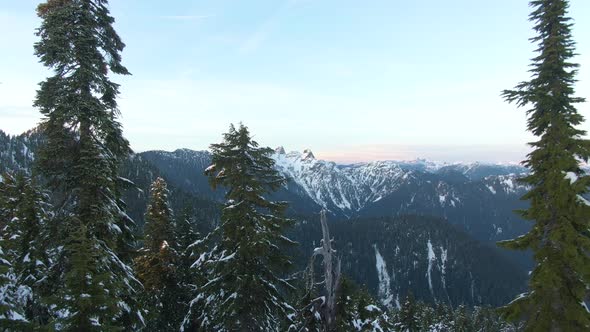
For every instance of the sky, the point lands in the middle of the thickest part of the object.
(351, 80)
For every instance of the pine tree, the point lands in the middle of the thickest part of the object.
(85, 145)
(245, 290)
(26, 212)
(157, 264)
(560, 236)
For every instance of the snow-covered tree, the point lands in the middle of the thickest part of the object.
(188, 279)
(186, 235)
(356, 310)
(94, 287)
(25, 214)
(245, 290)
(560, 239)
(12, 315)
(408, 315)
(157, 264)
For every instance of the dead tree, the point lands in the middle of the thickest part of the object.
(331, 264)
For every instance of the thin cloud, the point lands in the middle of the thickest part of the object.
(186, 17)
(508, 153)
(263, 31)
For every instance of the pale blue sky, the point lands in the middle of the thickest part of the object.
(352, 80)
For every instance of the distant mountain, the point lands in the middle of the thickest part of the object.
(389, 219)
(480, 198)
(18, 152)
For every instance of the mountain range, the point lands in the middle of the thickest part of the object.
(400, 226)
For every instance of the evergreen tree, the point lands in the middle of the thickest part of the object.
(25, 214)
(462, 321)
(12, 315)
(560, 237)
(188, 278)
(407, 319)
(94, 287)
(356, 310)
(186, 236)
(310, 316)
(245, 290)
(156, 266)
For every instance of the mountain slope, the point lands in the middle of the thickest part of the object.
(424, 255)
(481, 204)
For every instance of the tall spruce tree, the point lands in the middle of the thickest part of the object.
(560, 236)
(245, 289)
(80, 160)
(157, 265)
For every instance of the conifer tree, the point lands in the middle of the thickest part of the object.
(560, 237)
(25, 214)
(156, 266)
(245, 289)
(186, 235)
(407, 319)
(188, 240)
(462, 322)
(12, 313)
(356, 310)
(85, 145)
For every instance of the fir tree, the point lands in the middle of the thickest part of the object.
(356, 310)
(27, 214)
(188, 240)
(85, 145)
(462, 320)
(186, 236)
(245, 290)
(560, 237)
(407, 319)
(156, 266)
(12, 313)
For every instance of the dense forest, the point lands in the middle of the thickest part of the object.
(95, 237)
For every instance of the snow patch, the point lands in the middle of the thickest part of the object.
(491, 189)
(431, 259)
(384, 291)
(571, 176)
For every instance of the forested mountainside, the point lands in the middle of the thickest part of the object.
(392, 245)
(434, 260)
(479, 198)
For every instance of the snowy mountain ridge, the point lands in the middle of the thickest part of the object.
(477, 197)
(350, 188)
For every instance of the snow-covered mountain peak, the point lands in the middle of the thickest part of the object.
(280, 150)
(307, 154)
(349, 188)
